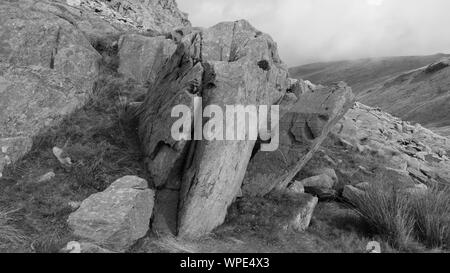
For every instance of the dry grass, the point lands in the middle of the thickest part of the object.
(431, 212)
(388, 214)
(103, 146)
(406, 220)
(10, 236)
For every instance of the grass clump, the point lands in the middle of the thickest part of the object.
(10, 236)
(431, 212)
(407, 220)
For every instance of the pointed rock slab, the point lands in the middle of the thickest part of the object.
(176, 84)
(117, 217)
(245, 71)
(303, 128)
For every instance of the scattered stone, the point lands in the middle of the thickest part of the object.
(297, 187)
(74, 205)
(117, 217)
(46, 177)
(319, 181)
(83, 247)
(373, 247)
(328, 171)
(62, 157)
(303, 214)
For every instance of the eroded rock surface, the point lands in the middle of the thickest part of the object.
(47, 70)
(302, 130)
(415, 154)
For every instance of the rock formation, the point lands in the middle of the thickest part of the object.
(416, 154)
(229, 64)
(49, 61)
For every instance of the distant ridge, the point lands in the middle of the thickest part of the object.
(414, 88)
(361, 74)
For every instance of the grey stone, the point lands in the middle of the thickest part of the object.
(302, 215)
(319, 181)
(117, 217)
(297, 187)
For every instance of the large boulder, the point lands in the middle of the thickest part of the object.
(117, 217)
(47, 70)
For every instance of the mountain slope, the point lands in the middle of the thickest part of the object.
(361, 74)
(421, 95)
(407, 87)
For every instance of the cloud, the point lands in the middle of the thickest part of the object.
(323, 30)
(375, 2)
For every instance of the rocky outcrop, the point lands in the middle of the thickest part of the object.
(49, 61)
(117, 217)
(302, 130)
(419, 96)
(415, 154)
(47, 69)
(220, 65)
(157, 15)
(229, 64)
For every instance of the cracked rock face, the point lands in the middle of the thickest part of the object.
(303, 128)
(117, 217)
(47, 70)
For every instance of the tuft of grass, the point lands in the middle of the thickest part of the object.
(431, 212)
(407, 220)
(10, 236)
(388, 213)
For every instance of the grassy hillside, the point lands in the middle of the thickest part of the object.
(361, 74)
(421, 96)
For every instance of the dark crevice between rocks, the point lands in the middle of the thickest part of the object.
(55, 48)
(308, 133)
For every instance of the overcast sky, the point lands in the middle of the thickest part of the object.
(322, 30)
